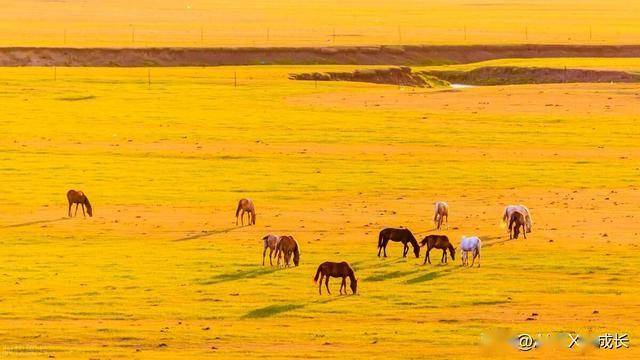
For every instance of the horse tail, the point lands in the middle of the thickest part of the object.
(238, 208)
(296, 254)
(380, 239)
(315, 279)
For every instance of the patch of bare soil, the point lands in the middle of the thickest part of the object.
(506, 75)
(401, 76)
(365, 55)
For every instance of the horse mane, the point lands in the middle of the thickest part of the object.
(239, 207)
(413, 240)
(296, 253)
(352, 274)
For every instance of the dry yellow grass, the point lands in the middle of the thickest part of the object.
(313, 23)
(162, 262)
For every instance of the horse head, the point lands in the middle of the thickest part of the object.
(88, 205)
(354, 285)
(416, 249)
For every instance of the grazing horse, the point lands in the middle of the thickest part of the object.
(470, 244)
(79, 198)
(286, 246)
(270, 242)
(506, 215)
(517, 220)
(438, 242)
(442, 211)
(399, 235)
(340, 270)
(246, 205)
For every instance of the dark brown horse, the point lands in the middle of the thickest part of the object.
(246, 205)
(340, 270)
(517, 220)
(438, 242)
(79, 198)
(400, 235)
(287, 246)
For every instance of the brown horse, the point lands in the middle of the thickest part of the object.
(399, 235)
(246, 205)
(79, 198)
(438, 242)
(340, 270)
(442, 211)
(270, 242)
(517, 220)
(286, 246)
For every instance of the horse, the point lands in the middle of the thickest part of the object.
(438, 242)
(470, 244)
(332, 269)
(399, 235)
(506, 215)
(286, 246)
(246, 205)
(517, 220)
(270, 242)
(79, 198)
(442, 211)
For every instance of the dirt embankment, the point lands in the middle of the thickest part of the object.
(401, 76)
(491, 75)
(369, 55)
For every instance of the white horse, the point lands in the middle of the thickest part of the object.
(506, 215)
(470, 244)
(270, 241)
(441, 211)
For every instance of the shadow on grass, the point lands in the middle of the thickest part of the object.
(277, 309)
(432, 275)
(208, 233)
(271, 310)
(390, 275)
(237, 275)
(36, 222)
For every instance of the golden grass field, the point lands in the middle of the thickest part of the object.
(161, 270)
(314, 23)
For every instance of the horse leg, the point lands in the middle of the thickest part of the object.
(447, 221)
(326, 283)
(524, 231)
(76, 213)
(320, 284)
(342, 284)
(384, 246)
(70, 208)
(264, 252)
(426, 257)
(405, 250)
(270, 258)
(475, 253)
(83, 214)
(444, 256)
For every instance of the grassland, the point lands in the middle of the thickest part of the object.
(161, 270)
(315, 23)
